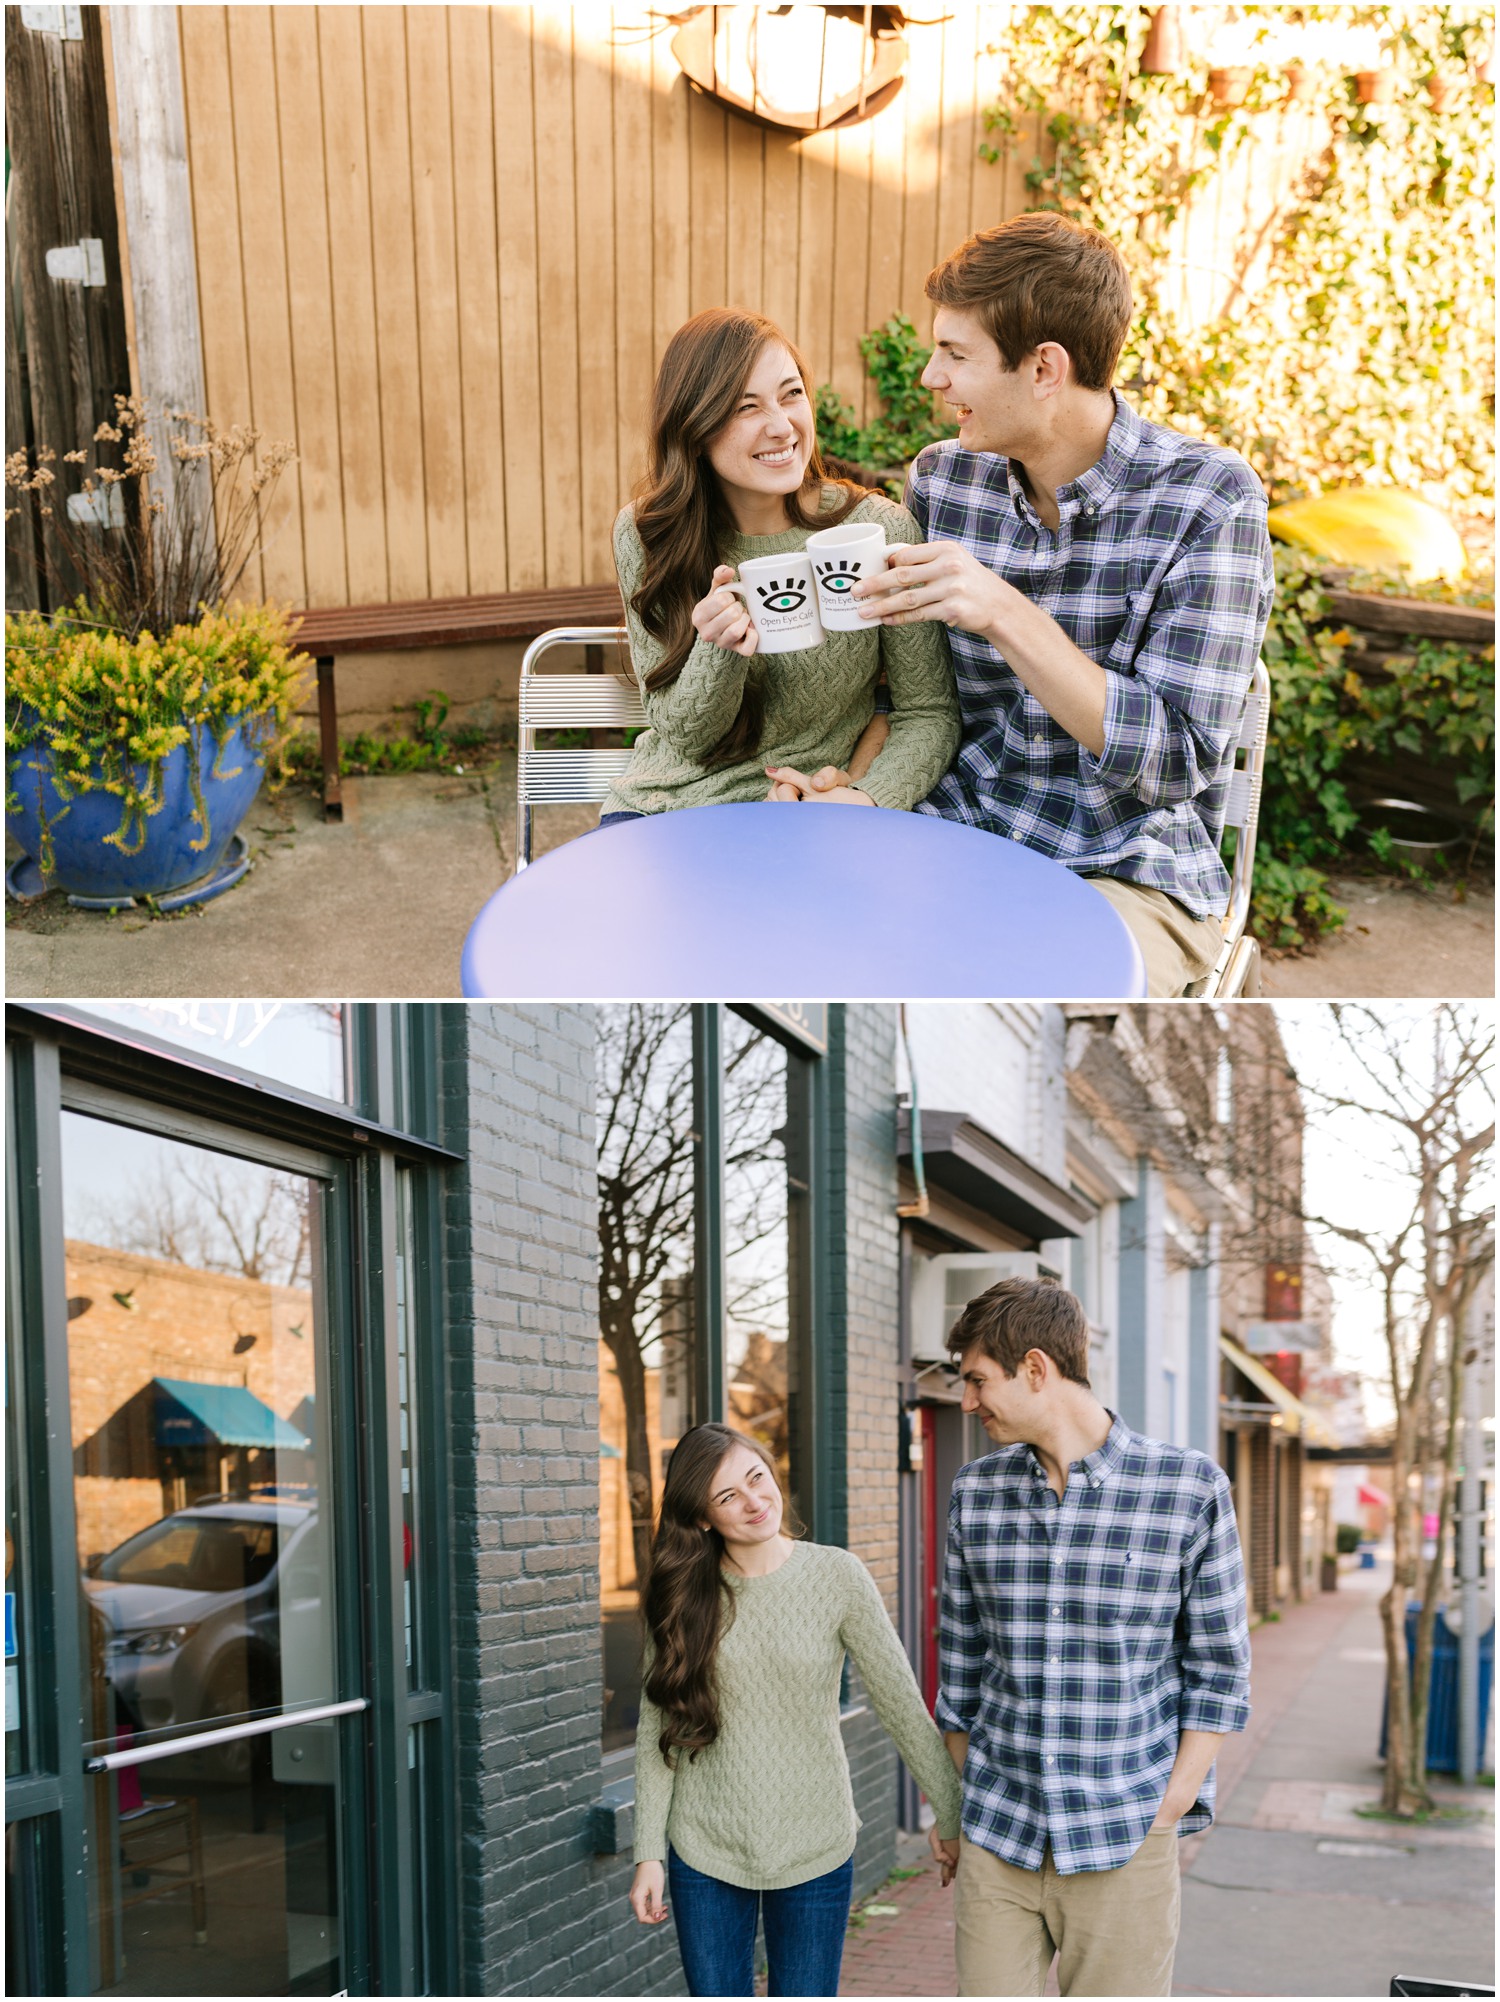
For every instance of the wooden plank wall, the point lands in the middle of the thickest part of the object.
(66, 353)
(442, 248)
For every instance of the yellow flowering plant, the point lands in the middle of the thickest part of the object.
(109, 710)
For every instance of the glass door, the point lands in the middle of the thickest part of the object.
(212, 1694)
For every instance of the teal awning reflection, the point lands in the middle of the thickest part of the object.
(202, 1414)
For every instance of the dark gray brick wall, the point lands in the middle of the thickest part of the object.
(539, 1913)
(866, 1279)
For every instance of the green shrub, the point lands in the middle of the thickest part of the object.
(1347, 1537)
(110, 710)
(1436, 700)
(895, 358)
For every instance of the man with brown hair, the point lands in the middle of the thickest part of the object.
(1107, 583)
(1093, 1650)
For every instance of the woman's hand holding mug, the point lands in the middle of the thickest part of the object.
(722, 619)
(648, 1893)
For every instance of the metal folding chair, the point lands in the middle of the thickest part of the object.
(598, 701)
(1236, 971)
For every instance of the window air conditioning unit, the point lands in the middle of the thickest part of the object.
(942, 1287)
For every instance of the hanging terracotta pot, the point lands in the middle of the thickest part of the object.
(1163, 54)
(1230, 87)
(1443, 92)
(1375, 86)
(1299, 83)
(1485, 73)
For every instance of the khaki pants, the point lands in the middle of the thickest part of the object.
(1177, 947)
(1114, 1931)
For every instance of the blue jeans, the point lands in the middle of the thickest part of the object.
(805, 1926)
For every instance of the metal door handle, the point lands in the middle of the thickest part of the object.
(138, 1755)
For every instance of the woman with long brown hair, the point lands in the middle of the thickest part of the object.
(742, 1792)
(734, 473)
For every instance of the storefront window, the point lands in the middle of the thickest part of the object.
(300, 1043)
(197, 1373)
(759, 1357)
(647, 1151)
(683, 1222)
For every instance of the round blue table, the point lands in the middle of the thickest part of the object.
(752, 902)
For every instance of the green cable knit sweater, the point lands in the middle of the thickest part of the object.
(769, 1804)
(817, 701)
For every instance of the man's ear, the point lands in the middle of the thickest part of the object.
(1052, 369)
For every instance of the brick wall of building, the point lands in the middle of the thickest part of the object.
(540, 1913)
(866, 1279)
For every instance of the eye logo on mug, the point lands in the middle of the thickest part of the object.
(780, 597)
(787, 597)
(843, 557)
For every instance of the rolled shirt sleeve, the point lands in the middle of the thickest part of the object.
(1169, 722)
(1215, 1630)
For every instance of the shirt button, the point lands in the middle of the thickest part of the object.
(1039, 738)
(1057, 1612)
(1056, 1659)
(1050, 1760)
(1091, 510)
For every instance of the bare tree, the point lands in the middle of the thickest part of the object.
(1426, 1080)
(646, 1190)
(647, 1158)
(215, 1215)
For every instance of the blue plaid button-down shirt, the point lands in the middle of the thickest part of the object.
(1160, 570)
(1081, 1637)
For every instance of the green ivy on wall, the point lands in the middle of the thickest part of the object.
(1365, 353)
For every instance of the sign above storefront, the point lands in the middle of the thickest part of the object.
(806, 1020)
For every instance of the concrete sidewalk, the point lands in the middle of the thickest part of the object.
(379, 907)
(1293, 1892)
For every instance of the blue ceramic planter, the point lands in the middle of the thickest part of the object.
(91, 869)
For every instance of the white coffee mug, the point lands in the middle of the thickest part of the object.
(782, 600)
(841, 558)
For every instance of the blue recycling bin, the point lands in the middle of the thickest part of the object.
(1442, 1702)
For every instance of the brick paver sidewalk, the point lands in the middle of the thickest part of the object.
(910, 1951)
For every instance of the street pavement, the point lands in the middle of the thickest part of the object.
(1293, 1891)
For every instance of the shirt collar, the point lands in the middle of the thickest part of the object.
(1097, 1467)
(1111, 471)
(1113, 468)
(1110, 1457)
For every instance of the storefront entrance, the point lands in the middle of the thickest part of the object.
(218, 1649)
(198, 1377)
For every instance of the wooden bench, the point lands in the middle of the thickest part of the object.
(428, 622)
